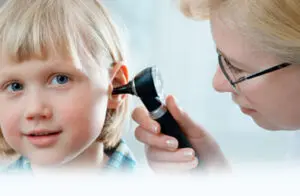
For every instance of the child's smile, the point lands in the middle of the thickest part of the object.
(43, 137)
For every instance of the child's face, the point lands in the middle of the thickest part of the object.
(50, 111)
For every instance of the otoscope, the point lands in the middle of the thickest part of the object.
(147, 85)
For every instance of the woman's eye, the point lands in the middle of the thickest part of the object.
(232, 68)
(14, 86)
(235, 70)
(60, 79)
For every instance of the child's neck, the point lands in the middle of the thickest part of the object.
(93, 158)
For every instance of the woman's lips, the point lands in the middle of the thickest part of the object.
(247, 110)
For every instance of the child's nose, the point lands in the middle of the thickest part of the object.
(37, 108)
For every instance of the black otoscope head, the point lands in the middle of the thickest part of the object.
(147, 85)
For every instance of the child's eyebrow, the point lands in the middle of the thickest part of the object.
(5, 75)
(12, 69)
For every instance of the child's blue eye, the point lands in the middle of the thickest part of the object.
(60, 79)
(14, 86)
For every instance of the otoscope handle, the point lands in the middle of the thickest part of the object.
(170, 127)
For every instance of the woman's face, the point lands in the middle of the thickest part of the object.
(272, 100)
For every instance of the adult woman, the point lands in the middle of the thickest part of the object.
(258, 45)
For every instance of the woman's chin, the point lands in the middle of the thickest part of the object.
(266, 125)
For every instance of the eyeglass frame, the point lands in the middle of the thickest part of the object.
(254, 75)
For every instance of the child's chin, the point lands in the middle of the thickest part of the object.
(48, 161)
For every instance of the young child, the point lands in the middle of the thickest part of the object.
(59, 63)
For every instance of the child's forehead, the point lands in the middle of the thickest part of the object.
(54, 63)
(8, 62)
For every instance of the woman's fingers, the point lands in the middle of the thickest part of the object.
(156, 140)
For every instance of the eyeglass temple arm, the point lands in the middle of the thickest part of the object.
(262, 72)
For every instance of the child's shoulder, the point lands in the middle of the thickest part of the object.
(120, 157)
(21, 164)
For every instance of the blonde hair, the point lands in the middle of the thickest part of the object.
(80, 29)
(274, 25)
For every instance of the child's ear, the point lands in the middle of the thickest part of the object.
(118, 77)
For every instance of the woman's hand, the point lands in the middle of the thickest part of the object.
(161, 150)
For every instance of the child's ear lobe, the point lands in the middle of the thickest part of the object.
(118, 77)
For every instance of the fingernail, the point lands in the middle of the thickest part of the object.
(176, 100)
(177, 103)
(189, 153)
(195, 162)
(154, 129)
(171, 143)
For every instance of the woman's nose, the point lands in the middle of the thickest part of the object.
(220, 83)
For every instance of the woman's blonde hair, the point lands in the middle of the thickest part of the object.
(274, 25)
(80, 29)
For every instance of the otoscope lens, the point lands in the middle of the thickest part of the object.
(158, 82)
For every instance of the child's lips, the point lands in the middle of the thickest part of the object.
(43, 138)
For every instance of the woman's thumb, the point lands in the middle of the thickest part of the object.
(188, 126)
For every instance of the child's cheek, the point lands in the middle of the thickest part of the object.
(72, 112)
(11, 129)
